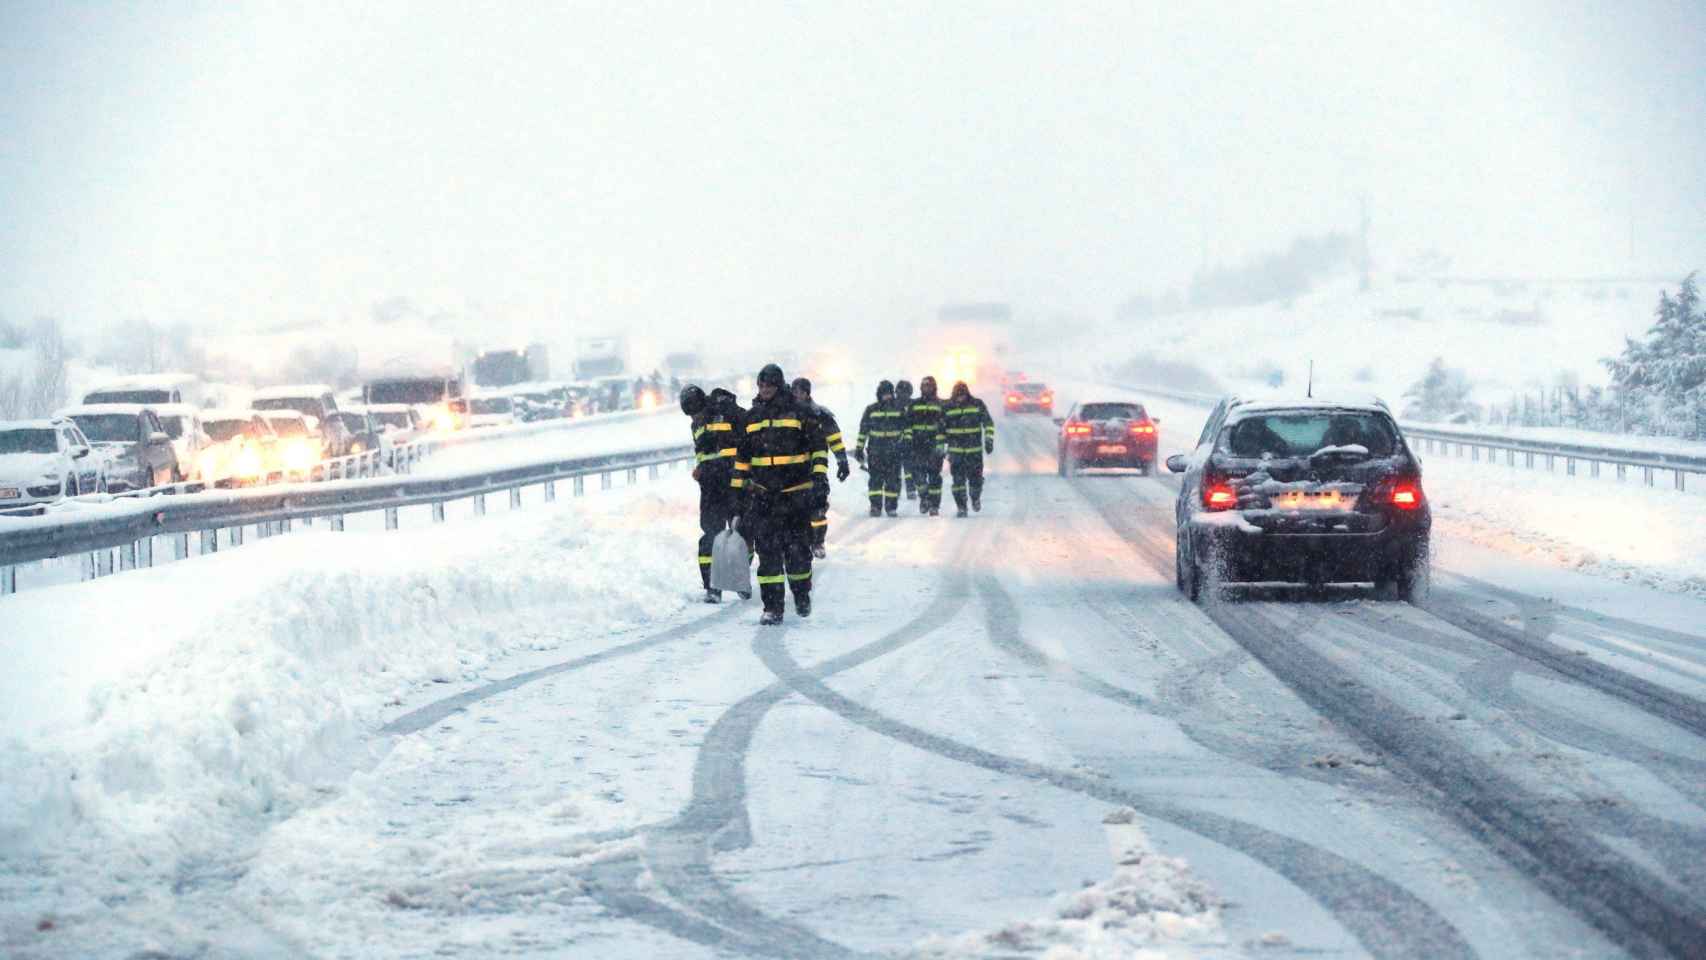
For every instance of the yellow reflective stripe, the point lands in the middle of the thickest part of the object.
(742, 465)
(704, 561)
(780, 461)
(822, 468)
(820, 523)
(820, 454)
(698, 433)
(719, 427)
(722, 454)
(797, 577)
(965, 449)
(779, 578)
(737, 482)
(778, 424)
(796, 488)
(832, 438)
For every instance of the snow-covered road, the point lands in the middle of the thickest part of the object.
(995, 736)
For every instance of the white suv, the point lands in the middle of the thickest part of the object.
(46, 460)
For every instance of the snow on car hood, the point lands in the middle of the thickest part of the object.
(27, 466)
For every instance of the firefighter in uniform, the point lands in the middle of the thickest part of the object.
(903, 400)
(780, 484)
(971, 434)
(836, 447)
(716, 423)
(929, 446)
(880, 449)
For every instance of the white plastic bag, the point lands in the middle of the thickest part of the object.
(731, 563)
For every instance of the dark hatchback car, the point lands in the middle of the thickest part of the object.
(1301, 491)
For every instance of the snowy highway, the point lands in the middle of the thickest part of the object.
(995, 736)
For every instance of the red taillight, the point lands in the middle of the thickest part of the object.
(1219, 497)
(1078, 430)
(1143, 428)
(1048, 398)
(1012, 398)
(1406, 495)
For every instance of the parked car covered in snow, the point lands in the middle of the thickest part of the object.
(46, 460)
(482, 411)
(314, 401)
(398, 421)
(183, 426)
(300, 445)
(138, 450)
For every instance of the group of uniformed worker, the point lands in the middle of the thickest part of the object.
(764, 471)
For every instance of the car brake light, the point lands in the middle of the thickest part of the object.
(1219, 497)
(1012, 398)
(1078, 430)
(1407, 495)
(1048, 398)
(1144, 428)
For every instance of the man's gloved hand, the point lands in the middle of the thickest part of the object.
(859, 455)
(989, 445)
(843, 471)
(941, 451)
(696, 472)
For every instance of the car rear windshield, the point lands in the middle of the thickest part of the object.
(223, 430)
(1306, 432)
(1111, 411)
(28, 441)
(426, 390)
(398, 419)
(492, 405)
(304, 405)
(1030, 389)
(108, 427)
(174, 426)
(288, 427)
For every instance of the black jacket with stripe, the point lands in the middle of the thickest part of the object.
(925, 427)
(717, 430)
(831, 431)
(882, 429)
(967, 422)
(774, 459)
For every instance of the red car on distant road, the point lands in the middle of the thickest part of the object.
(1108, 434)
(1031, 396)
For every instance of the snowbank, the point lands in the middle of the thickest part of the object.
(1151, 908)
(156, 722)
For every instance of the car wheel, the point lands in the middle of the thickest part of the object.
(1415, 577)
(1060, 464)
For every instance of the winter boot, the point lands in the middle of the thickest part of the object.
(977, 502)
(935, 511)
(745, 594)
(818, 551)
(893, 512)
(771, 618)
(713, 596)
(961, 512)
(876, 509)
(803, 604)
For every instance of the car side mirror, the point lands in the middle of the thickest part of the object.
(1176, 463)
(1060, 421)
(79, 453)
(1155, 420)
(158, 437)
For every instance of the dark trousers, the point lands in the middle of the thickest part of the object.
(908, 479)
(781, 529)
(968, 476)
(926, 467)
(885, 480)
(716, 505)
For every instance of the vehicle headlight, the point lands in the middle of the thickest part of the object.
(248, 463)
(299, 455)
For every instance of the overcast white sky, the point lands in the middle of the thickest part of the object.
(663, 166)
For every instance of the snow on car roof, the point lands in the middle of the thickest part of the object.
(174, 409)
(292, 390)
(230, 413)
(29, 424)
(97, 408)
(1369, 404)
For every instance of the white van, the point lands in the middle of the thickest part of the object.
(151, 389)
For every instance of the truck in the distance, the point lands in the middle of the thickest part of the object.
(507, 367)
(597, 357)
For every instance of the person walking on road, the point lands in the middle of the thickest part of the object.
(903, 399)
(880, 450)
(971, 434)
(779, 484)
(834, 446)
(717, 422)
(929, 446)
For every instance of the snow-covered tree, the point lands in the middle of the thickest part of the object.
(1442, 392)
(1663, 376)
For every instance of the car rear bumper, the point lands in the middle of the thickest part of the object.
(1087, 453)
(1030, 408)
(1239, 553)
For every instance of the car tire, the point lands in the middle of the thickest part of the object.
(1060, 464)
(1186, 572)
(1413, 579)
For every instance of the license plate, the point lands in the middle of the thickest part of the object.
(8, 493)
(1314, 500)
(1109, 448)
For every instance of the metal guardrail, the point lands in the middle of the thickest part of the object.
(120, 536)
(1534, 452)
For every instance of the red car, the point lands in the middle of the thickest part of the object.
(1032, 396)
(1111, 434)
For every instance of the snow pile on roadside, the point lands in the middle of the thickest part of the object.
(1151, 908)
(156, 721)
(1621, 531)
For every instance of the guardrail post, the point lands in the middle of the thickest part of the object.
(127, 556)
(234, 535)
(515, 498)
(145, 552)
(1593, 469)
(1681, 479)
(1474, 453)
(550, 491)
(286, 525)
(1569, 466)
(580, 486)
(479, 504)
(1528, 459)
(88, 571)
(1510, 458)
(8, 580)
(336, 522)
(633, 476)
(180, 546)
(604, 480)
(1648, 475)
(390, 518)
(209, 541)
(438, 511)
(652, 472)
(1621, 471)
